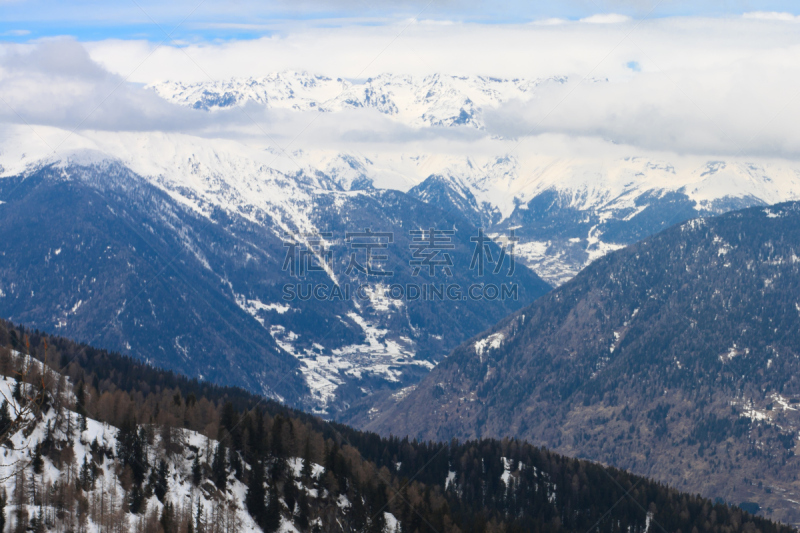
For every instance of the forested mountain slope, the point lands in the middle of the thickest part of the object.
(192, 277)
(677, 358)
(121, 446)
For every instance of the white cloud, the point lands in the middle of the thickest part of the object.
(56, 83)
(549, 22)
(418, 47)
(687, 85)
(743, 110)
(772, 15)
(606, 18)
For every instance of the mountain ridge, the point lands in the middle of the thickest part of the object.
(121, 445)
(674, 357)
(158, 271)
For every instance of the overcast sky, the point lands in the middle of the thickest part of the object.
(697, 77)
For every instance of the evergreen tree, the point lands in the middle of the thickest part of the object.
(86, 476)
(307, 470)
(80, 399)
(167, 519)
(197, 471)
(161, 485)
(40, 526)
(136, 499)
(17, 392)
(80, 404)
(236, 463)
(290, 494)
(37, 462)
(358, 512)
(276, 438)
(131, 449)
(302, 512)
(152, 479)
(256, 497)
(219, 468)
(272, 516)
(198, 519)
(5, 418)
(229, 419)
(21, 499)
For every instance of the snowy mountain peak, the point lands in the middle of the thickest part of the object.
(434, 100)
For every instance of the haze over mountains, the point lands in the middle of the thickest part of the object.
(676, 357)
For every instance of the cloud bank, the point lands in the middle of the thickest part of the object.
(687, 85)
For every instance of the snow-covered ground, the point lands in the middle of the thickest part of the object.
(17, 458)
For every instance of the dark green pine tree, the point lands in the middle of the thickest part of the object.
(377, 504)
(358, 512)
(136, 499)
(197, 471)
(200, 524)
(80, 404)
(258, 435)
(3, 510)
(219, 468)
(236, 463)
(256, 497)
(37, 462)
(307, 470)
(229, 419)
(290, 493)
(302, 520)
(161, 485)
(272, 517)
(276, 438)
(17, 392)
(5, 417)
(40, 525)
(86, 477)
(167, 519)
(131, 449)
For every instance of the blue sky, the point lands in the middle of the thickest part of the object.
(196, 20)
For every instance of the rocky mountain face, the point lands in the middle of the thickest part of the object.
(253, 283)
(676, 357)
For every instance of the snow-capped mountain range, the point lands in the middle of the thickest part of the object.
(157, 215)
(436, 100)
(211, 215)
(495, 187)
